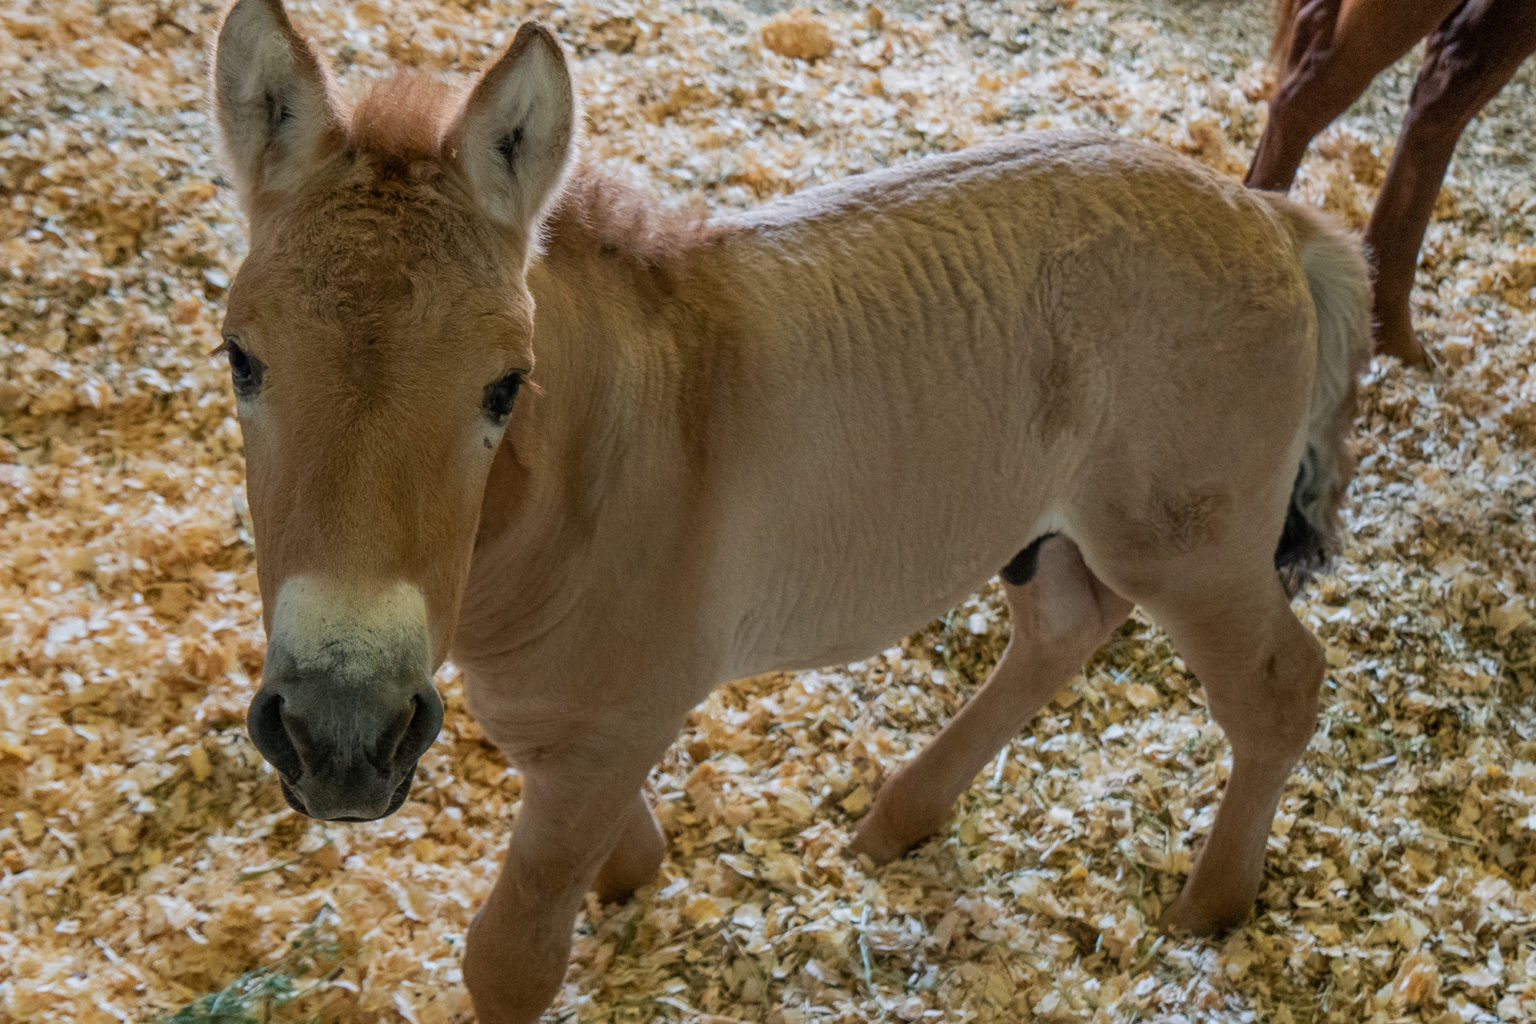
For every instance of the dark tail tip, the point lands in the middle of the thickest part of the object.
(1303, 549)
(1302, 552)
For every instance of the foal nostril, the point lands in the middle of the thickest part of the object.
(345, 755)
(270, 734)
(426, 720)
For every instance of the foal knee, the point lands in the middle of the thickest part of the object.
(1298, 718)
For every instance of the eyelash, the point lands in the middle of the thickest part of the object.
(245, 370)
(499, 396)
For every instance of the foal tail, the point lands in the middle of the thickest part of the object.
(1339, 280)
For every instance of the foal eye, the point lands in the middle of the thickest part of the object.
(244, 369)
(499, 396)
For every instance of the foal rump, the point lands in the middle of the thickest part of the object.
(1338, 281)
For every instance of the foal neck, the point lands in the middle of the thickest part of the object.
(616, 442)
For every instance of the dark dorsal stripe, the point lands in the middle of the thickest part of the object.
(1021, 569)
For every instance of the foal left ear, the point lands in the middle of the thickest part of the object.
(513, 137)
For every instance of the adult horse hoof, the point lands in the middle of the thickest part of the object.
(1399, 341)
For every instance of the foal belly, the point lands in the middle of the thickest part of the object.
(883, 570)
(897, 500)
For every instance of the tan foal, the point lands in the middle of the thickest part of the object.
(775, 440)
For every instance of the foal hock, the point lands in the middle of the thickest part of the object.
(776, 440)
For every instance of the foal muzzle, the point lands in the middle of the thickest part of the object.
(346, 705)
(343, 756)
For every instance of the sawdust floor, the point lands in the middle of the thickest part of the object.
(146, 857)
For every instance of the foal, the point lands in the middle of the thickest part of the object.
(1329, 52)
(774, 441)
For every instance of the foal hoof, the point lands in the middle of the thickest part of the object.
(612, 893)
(879, 849)
(1186, 917)
(873, 838)
(619, 879)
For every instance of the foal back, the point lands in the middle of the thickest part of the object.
(954, 357)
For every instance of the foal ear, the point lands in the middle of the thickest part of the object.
(513, 136)
(272, 96)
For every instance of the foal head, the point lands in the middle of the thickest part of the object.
(376, 335)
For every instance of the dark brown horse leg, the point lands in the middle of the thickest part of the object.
(1467, 61)
(1338, 47)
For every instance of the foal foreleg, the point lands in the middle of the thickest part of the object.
(1261, 671)
(576, 804)
(1467, 61)
(636, 856)
(1060, 617)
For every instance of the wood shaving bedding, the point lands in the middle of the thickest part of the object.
(147, 859)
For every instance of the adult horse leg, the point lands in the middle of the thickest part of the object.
(1467, 61)
(1337, 48)
(1060, 617)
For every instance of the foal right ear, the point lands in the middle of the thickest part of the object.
(513, 138)
(273, 98)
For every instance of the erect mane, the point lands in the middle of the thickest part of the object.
(597, 216)
(405, 116)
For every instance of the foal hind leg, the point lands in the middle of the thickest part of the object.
(1060, 617)
(1262, 671)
